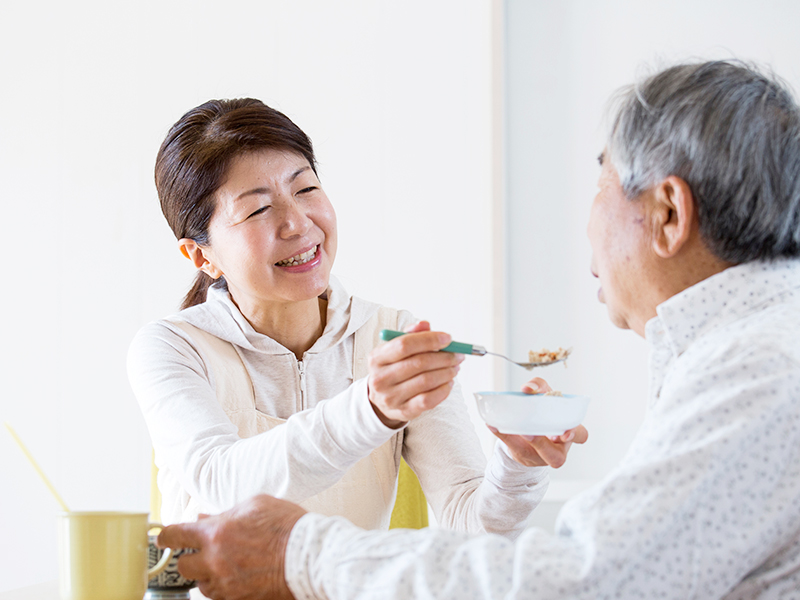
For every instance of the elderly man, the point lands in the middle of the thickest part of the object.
(695, 234)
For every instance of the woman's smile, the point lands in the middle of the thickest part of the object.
(273, 233)
(304, 261)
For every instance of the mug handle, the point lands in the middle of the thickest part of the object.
(165, 557)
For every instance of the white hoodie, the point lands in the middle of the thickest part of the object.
(331, 424)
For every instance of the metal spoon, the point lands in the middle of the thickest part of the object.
(475, 350)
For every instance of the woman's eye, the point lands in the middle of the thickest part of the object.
(306, 190)
(258, 212)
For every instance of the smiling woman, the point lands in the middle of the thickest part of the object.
(274, 241)
(270, 380)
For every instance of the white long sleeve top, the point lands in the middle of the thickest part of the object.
(705, 505)
(330, 422)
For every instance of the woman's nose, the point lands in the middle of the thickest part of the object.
(295, 221)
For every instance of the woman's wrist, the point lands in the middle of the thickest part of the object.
(390, 423)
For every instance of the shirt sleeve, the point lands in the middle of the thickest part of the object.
(466, 493)
(194, 437)
(706, 497)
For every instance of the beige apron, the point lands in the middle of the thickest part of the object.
(365, 494)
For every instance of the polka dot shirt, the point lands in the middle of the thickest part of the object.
(705, 504)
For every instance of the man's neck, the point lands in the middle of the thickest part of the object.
(690, 268)
(676, 274)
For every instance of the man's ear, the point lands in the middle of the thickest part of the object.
(198, 255)
(673, 217)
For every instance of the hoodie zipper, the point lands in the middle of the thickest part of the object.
(301, 367)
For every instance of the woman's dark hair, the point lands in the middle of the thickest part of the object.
(196, 154)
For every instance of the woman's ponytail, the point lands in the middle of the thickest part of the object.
(199, 290)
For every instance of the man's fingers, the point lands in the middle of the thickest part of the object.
(184, 535)
(207, 589)
(193, 566)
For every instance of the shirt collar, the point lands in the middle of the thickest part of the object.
(719, 300)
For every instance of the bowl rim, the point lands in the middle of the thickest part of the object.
(519, 394)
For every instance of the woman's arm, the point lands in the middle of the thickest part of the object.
(465, 492)
(198, 442)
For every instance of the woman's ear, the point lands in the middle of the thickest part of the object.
(673, 217)
(198, 255)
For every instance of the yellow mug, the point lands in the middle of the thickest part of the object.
(103, 555)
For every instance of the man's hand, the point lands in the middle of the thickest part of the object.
(408, 375)
(539, 450)
(240, 552)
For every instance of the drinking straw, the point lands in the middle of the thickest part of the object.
(36, 466)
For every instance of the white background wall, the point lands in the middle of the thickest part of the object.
(395, 96)
(564, 60)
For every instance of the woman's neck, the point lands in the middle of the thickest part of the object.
(294, 325)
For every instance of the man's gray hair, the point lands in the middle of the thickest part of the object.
(732, 133)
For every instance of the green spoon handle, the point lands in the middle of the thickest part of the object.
(456, 347)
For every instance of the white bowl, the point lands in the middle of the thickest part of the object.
(531, 414)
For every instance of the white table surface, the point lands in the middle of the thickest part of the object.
(40, 591)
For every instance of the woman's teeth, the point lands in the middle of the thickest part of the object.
(299, 259)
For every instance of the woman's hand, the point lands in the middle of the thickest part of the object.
(540, 450)
(408, 375)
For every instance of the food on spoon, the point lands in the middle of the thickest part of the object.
(547, 356)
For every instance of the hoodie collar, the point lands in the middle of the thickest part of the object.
(219, 316)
